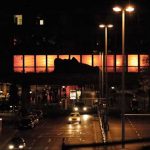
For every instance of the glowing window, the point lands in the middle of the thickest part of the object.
(50, 62)
(18, 63)
(110, 63)
(41, 22)
(132, 63)
(77, 57)
(29, 63)
(119, 63)
(64, 56)
(87, 59)
(144, 60)
(40, 63)
(97, 60)
(18, 19)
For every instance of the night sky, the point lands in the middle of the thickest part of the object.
(74, 24)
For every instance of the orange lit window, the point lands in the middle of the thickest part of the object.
(77, 57)
(87, 59)
(132, 63)
(97, 60)
(50, 62)
(144, 60)
(110, 63)
(40, 63)
(64, 56)
(119, 63)
(18, 63)
(29, 63)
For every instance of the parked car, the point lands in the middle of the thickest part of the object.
(74, 117)
(34, 118)
(38, 112)
(16, 143)
(26, 123)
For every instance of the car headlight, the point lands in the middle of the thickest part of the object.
(70, 119)
(21, 146)
(85, 108)
(11, 146)
(76, 108)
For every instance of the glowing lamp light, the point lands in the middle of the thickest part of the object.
(109, 25)
(129, 9)
(117, 9)
(101, 25)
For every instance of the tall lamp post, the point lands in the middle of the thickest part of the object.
(123, 10)
(105, 26)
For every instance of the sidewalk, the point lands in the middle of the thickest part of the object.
(115, 134)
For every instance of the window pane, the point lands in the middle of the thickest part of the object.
(77, 57)
(119, 60)
(97, 60)
(18, 63)
(50, 62)
(110, 60)
(132, 63)
(132, 69)
(132, 60)
(29, 63)
(119, 69)
(110, 69)
(18, 19)
(119, 63)
(87, 59)
(144, 60)
(41, 63)
(64, 56)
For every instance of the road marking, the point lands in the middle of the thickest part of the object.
(135, 129)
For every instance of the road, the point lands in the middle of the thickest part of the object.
(48, 135)
(136, 127)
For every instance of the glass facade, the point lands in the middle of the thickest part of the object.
(45, 63)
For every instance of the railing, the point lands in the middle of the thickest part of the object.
(107, 144)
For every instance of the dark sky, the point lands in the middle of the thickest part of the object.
(74, 23)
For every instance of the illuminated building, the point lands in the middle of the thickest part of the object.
(32, 56)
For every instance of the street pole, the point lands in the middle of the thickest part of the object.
(104, 63)
(123, 80)
(129, 8)
(102, 82)
(106, 83)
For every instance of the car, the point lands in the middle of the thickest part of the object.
(16, 143)
(74, 117)
(80, 107)
(38, 112)
(26, 123)
(34, 118)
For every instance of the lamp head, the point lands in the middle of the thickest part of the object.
(117, 9)
(102, 26)
(129, 8)
(110, 25)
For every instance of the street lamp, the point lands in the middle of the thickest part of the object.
(106, 26)
(123, 10)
